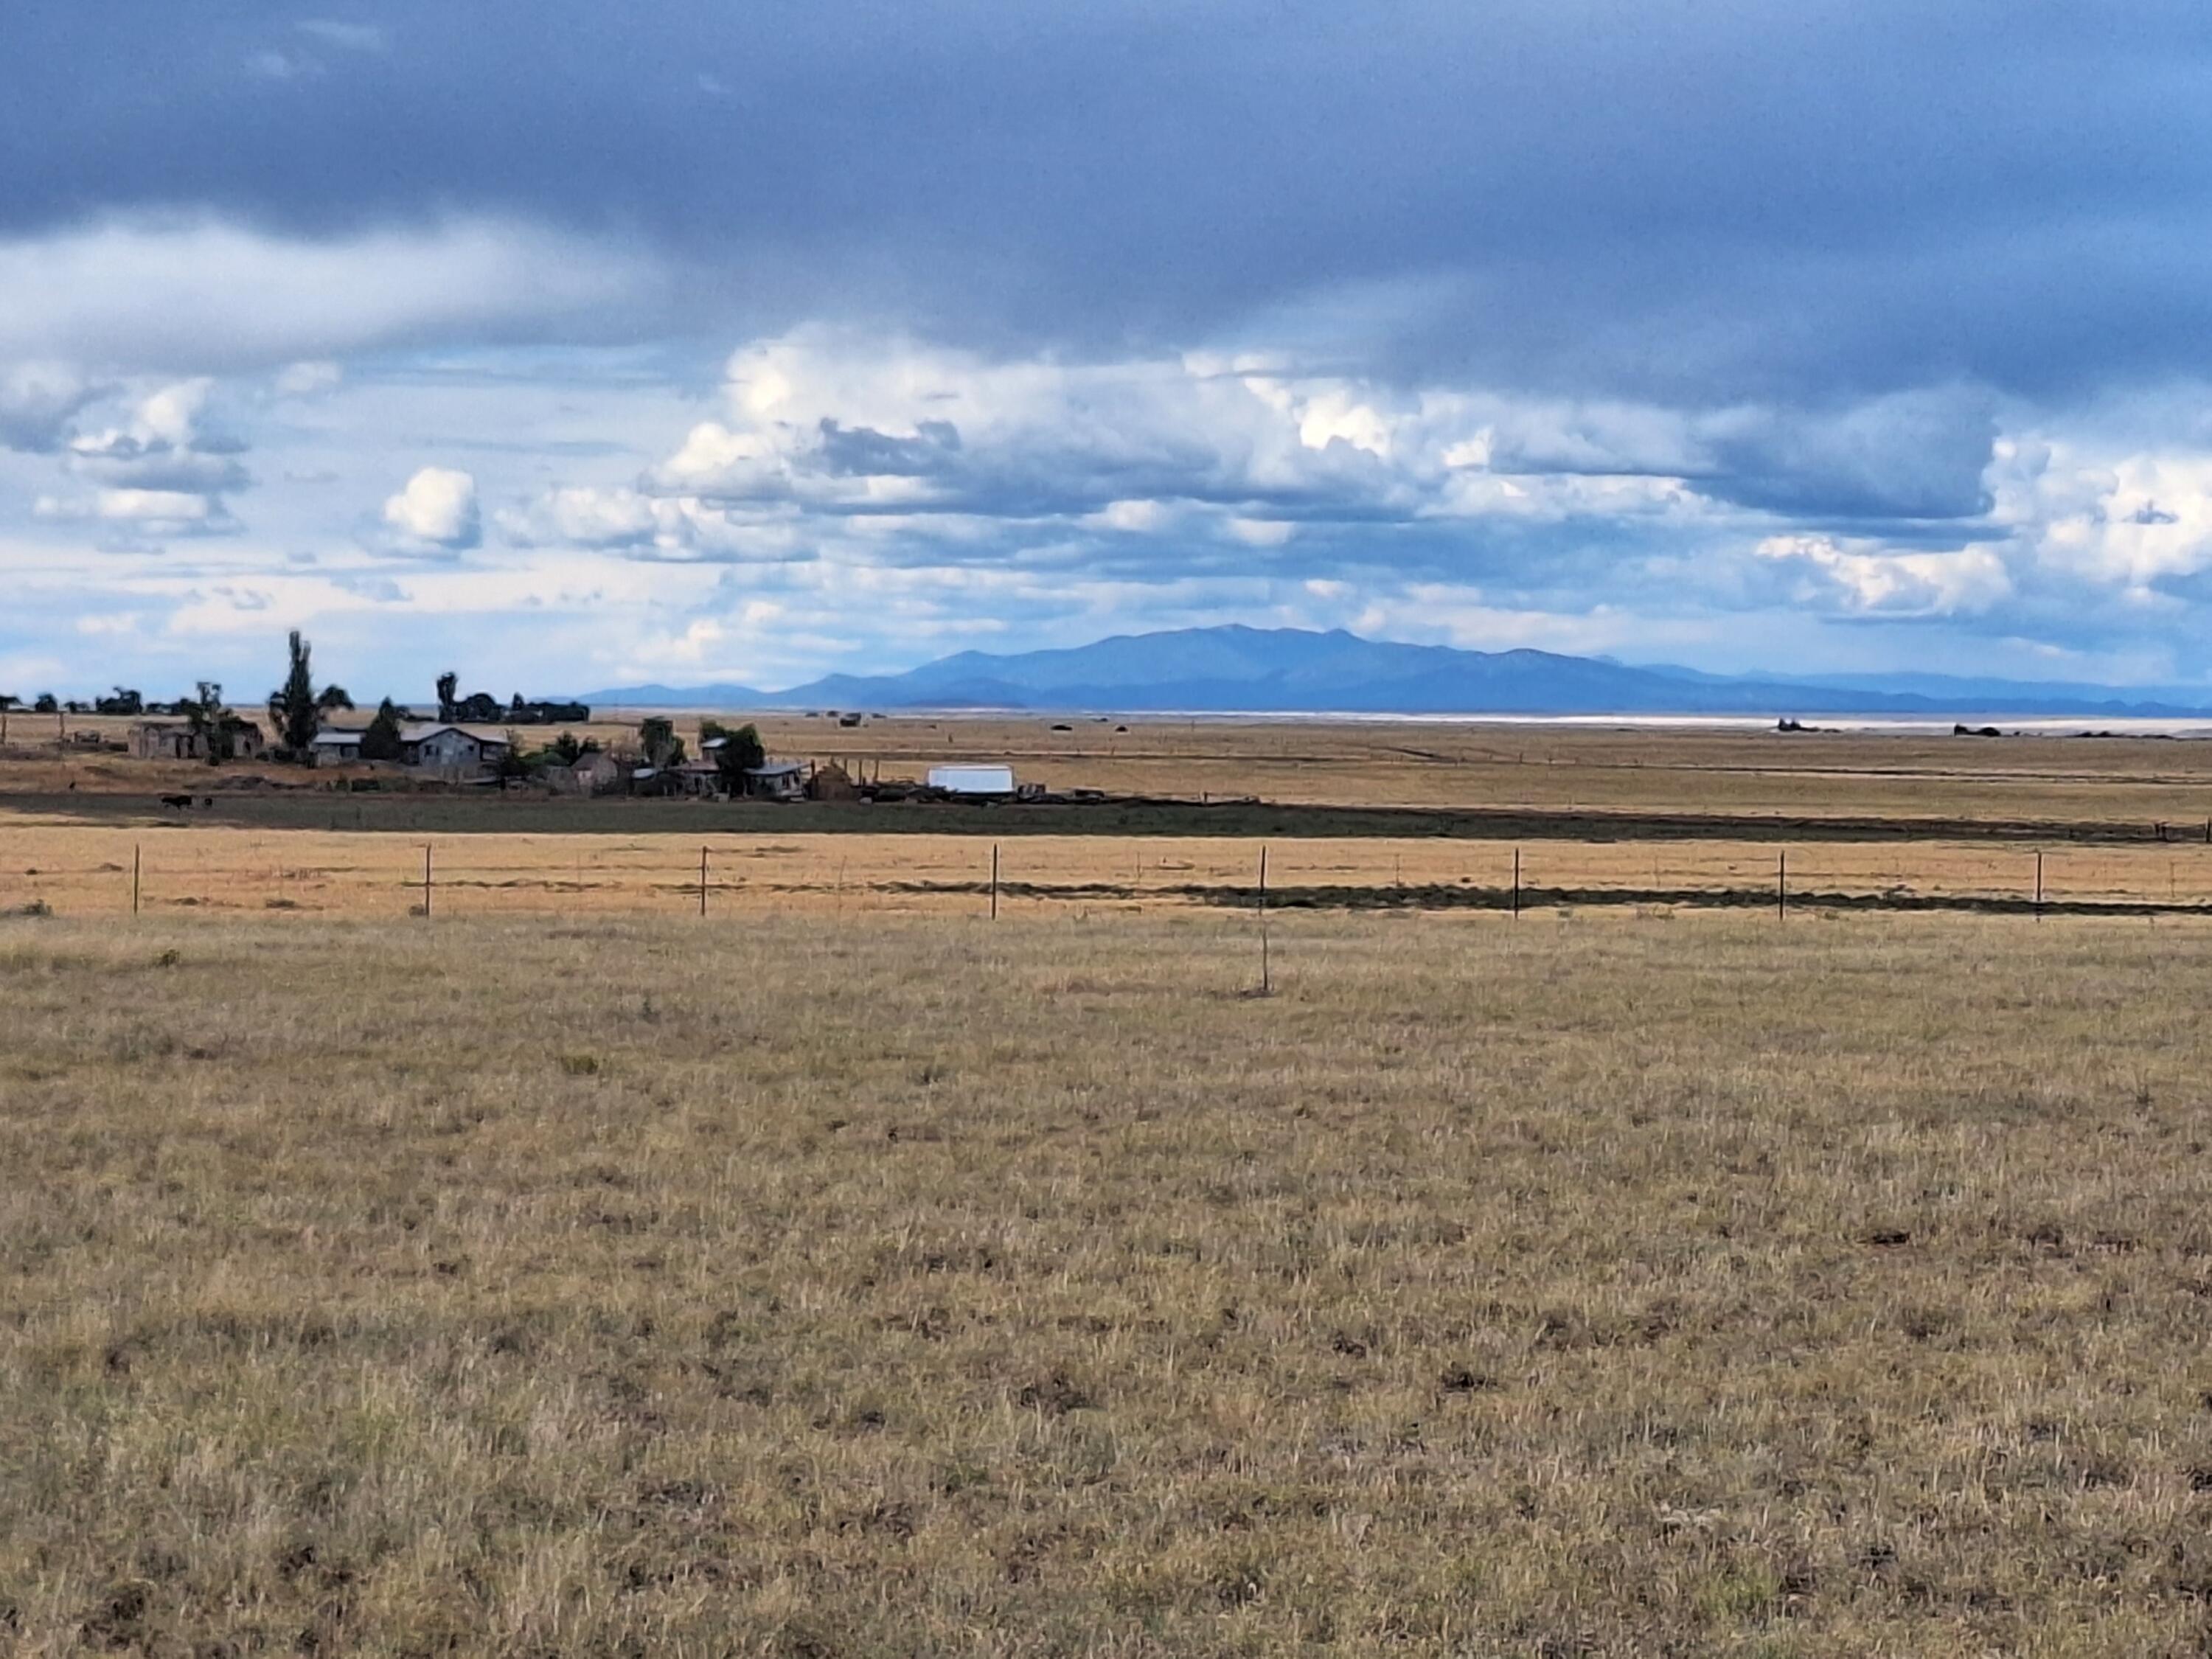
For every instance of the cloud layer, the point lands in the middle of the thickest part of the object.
(1875, 336)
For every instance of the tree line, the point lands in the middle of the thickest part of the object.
(298, 710)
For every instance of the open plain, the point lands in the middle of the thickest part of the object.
(846, 1273)
(623, 1286)
(1424, 815)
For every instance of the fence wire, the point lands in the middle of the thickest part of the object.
(88, 871)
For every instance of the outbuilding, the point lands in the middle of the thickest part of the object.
(776, 781)
(164, 740)
(176, 741)
(594, 772)
(972, 779)
(335, 748)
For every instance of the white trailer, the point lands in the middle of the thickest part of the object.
(973, 779)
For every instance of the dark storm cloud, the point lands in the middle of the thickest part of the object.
(1702, 203)
(1908, 456)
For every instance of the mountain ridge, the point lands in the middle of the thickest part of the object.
(1238, 669)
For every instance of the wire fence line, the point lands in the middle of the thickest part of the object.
(105, 872)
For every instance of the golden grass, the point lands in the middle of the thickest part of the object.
(629, 1287)
(85, 869)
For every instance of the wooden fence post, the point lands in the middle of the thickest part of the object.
(1266, 973)
(1517, 881)
(2038, 886)
(1781, 884)
(137, 859)
(994, 881)
(426, 881)
(702, 881)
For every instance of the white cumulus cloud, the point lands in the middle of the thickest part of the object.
(438, 508)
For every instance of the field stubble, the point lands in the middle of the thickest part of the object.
(623, 1286)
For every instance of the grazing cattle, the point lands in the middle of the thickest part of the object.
(178, 801)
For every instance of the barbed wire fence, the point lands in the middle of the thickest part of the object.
(99, 872)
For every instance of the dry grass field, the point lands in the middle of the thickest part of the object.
(846, 1274)
(623, 1286)
(85, 869)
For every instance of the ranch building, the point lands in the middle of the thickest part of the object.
(175, 740)
(450, 751)
(776, 781)
(594, 772)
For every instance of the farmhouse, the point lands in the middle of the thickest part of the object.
(451, 752)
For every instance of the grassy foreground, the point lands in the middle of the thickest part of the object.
(1602, 1286)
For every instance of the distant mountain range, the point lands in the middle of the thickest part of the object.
(1237, 670)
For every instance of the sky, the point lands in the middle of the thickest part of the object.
(567, 345)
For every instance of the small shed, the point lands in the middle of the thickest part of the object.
(776, 781)
(972, 779)
(594, 772)
(335, 748)
(164, 740)
(698, 777)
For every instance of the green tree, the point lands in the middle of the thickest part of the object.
(740, 753)
(46, 704)
(513, 764)
(656, 736)
(292, 709)
(449, 686)
(332, 698)
(381, 740)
